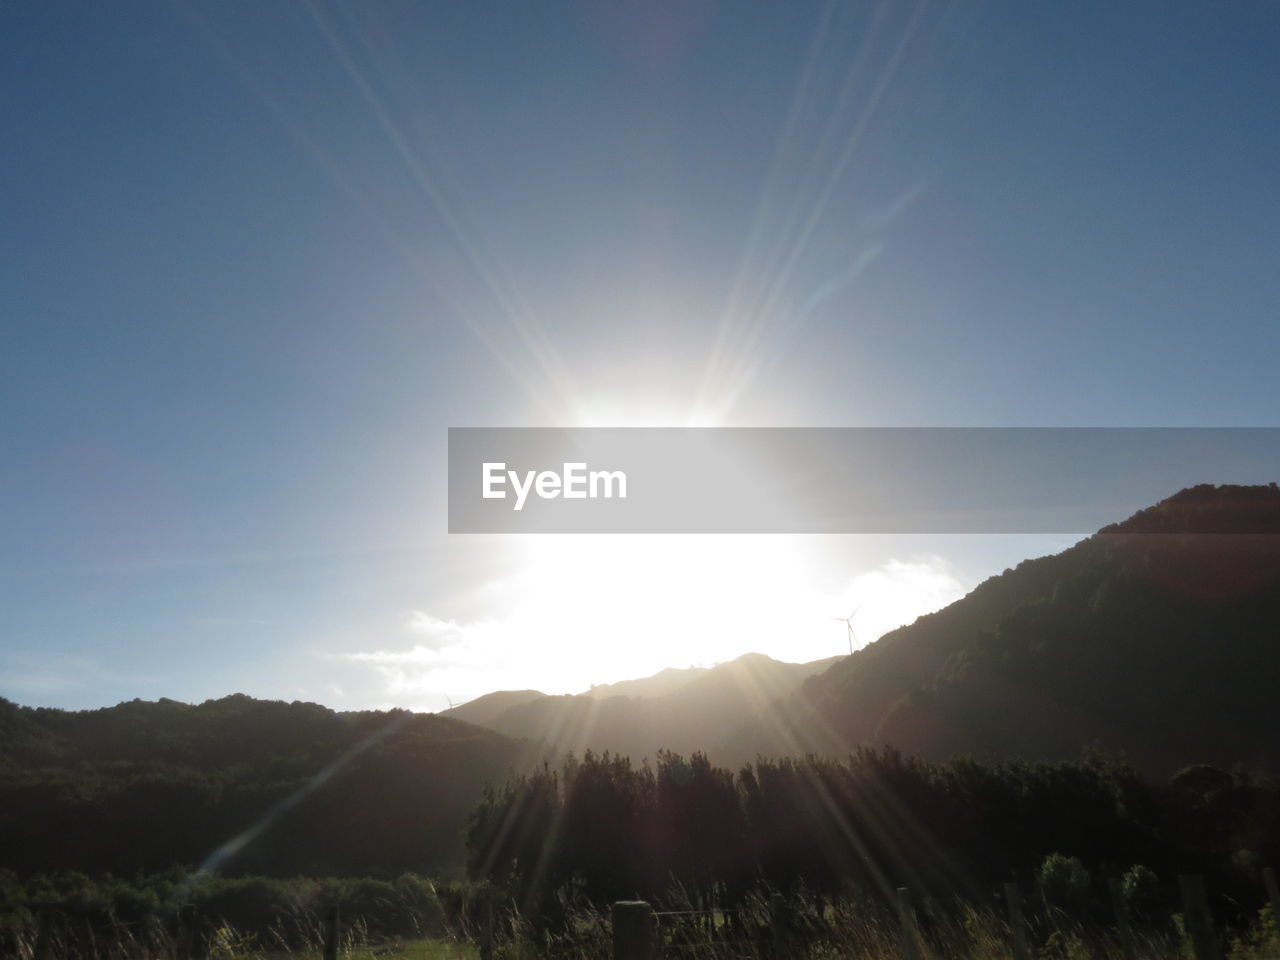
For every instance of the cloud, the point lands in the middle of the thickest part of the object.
(447, 659)
(418, 654)
(897, 593)
(436, 633)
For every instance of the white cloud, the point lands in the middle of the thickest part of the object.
(898, 592)
(437, 633)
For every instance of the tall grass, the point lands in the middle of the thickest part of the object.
(761, 928)
(301, 937)
(854, 929)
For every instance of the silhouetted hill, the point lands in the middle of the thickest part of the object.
(23, 741)
(702, 707)
(1156, 637)
(659, 685)
(748, 672)
(758, 676)
(146, 785)
(485, 709)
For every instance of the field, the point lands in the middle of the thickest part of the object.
(418, 950)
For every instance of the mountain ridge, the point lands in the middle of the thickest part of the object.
(144, 785)
(695, 710)
(1111, 642)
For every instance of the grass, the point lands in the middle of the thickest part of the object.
(844, 931)
(417, 950)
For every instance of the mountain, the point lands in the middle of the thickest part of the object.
(678, 710)
(484, 710)
(301, 789)
(1156, 637)
(659, 685)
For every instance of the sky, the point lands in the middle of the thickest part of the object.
(256, 259)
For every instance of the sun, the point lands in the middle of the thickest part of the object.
(638, 603)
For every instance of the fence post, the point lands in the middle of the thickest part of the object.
(1122, 919)
(331, 934)
(632, 930)
(1017, 926)
(909, 930)
(1204, 941)
(1273, 894)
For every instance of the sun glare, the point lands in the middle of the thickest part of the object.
(572, 611)
(603, 414)
(641, 603)
(624, 606)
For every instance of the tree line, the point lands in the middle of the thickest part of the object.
(141, 787)
(600, 829)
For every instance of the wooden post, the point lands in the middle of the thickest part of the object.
(1273, 894)
(632, 930)
(1122, 919)
(1204, 942)
(1017, 926)
(331, 934)
(907, 922)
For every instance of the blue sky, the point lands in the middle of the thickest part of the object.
(257, 258)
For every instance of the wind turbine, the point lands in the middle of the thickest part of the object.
(848, 623)
(450, 699)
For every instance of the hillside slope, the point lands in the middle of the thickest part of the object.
(1156, 637)
(485, 709)
(659, 685)
(703, 706)
(143, 786)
